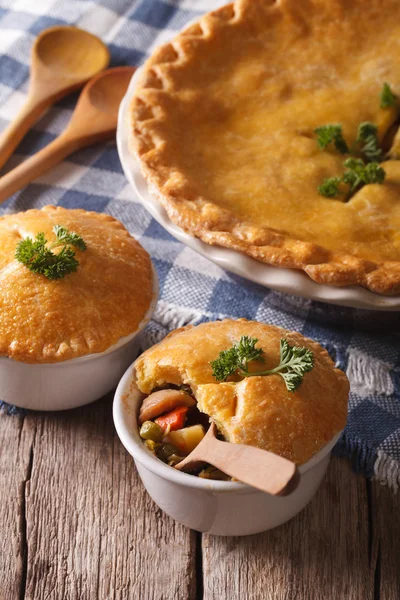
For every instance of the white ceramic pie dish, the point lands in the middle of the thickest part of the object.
(217, 507)
(71, 383)
(282, 280)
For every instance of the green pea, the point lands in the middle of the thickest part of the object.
(151, 431)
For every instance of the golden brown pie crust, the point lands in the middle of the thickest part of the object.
(223, 119)
(258, 411)
(43, 321)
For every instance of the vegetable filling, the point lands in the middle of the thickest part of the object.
(171, 426)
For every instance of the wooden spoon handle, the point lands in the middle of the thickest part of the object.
(36, 165)
(30, 112)
(260, 469)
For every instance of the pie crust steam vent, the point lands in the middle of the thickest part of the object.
(45, 321)
(223, 123)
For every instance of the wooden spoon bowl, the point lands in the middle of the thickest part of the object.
(96, 114)
(68, 52)
(104, 91)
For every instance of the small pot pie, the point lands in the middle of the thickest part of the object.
(223, 125)
(255, 410)
(87, 311)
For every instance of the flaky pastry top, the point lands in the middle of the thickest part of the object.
(43, 321)
(257, 411)
(223, 121)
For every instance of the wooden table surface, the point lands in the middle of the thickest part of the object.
(76, 523)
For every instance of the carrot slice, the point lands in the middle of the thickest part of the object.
(174, 419)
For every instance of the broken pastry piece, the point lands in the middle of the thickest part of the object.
(256, 403)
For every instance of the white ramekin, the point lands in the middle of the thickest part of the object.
(71, 383)
(217, 507)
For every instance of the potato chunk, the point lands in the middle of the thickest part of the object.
(186, 440)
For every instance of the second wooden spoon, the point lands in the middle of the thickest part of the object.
(94, 119)
(260, 469)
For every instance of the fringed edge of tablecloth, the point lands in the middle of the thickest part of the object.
(387, 471)
(362, 457)
(371, 463)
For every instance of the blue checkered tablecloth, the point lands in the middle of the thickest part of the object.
(364, 344)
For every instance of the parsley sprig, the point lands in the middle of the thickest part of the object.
(331, 134)
(367, 143)
(330, 187)
(388, 98)
(367, 137)
(357, 174)
(295, 361)
(363, 166)
(39, 257)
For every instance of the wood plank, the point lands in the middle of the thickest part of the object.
(385, 513)
(92, 530)
(16, 441)
(321, 553)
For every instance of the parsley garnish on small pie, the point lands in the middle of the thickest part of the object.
(223, 122)
(38, 256)
(294, 362)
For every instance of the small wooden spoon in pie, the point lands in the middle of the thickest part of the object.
(94, 119)
(259, 468)
(64, 58)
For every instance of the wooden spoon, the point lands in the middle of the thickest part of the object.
(260, 469)
(94, 119)
(63, 59)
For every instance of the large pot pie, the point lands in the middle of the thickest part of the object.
(258, 410)
(223, 124)
(89, 310)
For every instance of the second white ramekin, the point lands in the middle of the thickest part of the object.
(217, 507)
(71, 383)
